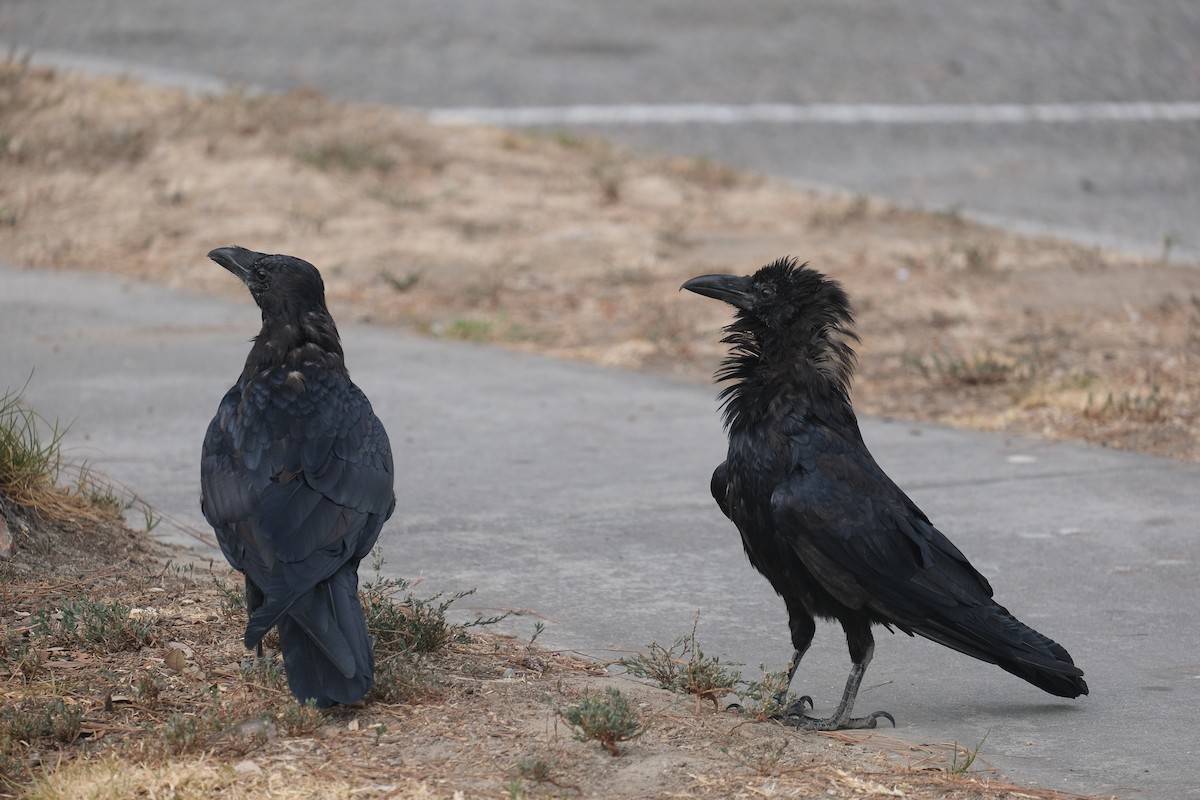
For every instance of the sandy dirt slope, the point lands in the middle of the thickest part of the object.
(573, 247)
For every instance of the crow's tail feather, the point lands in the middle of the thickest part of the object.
(990, 633)
(326, 649)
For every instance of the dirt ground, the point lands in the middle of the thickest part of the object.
(166, 705)
(542, 242)
(573, 247)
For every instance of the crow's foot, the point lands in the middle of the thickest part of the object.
(806, 723)
(796, 707)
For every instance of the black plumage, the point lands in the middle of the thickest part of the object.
(833, 534)
(296, 480)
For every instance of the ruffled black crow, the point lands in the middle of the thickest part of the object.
(833, 534)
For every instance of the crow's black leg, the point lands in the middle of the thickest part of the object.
(803, 628)
(254, 600)
(862, 647)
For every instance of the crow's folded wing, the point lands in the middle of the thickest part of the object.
(297, 479)
(863, 539)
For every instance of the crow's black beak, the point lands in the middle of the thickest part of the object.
(237, 260)
(733, 289)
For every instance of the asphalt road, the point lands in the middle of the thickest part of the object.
(579, 496)
(1133, 183)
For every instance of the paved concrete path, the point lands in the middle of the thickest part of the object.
(580, 496)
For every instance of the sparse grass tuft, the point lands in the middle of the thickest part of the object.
(265, 673)
(300, 719)
(769, 695)
(405, 628)
(1130, 406)
(608, 720)
(108, 627)
(347, 156)
(401, 283)
(30, 457)
(979, 256)
(981, 369)
(684, 668)
(233, 598)
(960, 767)
(31, 464)
(761, 757)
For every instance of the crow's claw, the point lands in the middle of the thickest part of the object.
(806, 723)
(796, 707)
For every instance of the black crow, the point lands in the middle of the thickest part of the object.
(296, 479)
(833, 534)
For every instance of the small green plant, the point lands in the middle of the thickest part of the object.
(762, 757)
(17, 656)
(401, 678)
(233, 598)
(769, 695)
(150, 517)
(978, 370)
(515, 788)
(532, 768)
(264, 672)
(608, 720)
(181, 732)
(470, 330)
(979, 256)
(960, 767)
(609, 175)
(347, 156)
(54, 720)
(30, 460)
(146, 688)
(411, 624)
(100, 493)
(76, 621)
(404, 629)
(1143, 407)
(684, 668)
(982, 369)
(107, 624)
(300, 719)
(403, 283)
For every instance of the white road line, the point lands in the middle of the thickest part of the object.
(829, 113)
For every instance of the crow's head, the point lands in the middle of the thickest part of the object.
(780, 296)
(281, 285)
(785, 313)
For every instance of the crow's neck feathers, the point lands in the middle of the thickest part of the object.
(295, 336)
(794, 358)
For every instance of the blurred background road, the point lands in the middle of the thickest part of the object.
(1110, 170)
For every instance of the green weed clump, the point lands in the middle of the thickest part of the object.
(684, 668)
(30, 456)
(405, 629)
(608, 720)
(82, 621)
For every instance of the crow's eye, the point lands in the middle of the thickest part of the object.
(766, 291)
(260, 275)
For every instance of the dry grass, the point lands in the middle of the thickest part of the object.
(180, 715)
(573, 247)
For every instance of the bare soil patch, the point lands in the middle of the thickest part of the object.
(576, 248)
